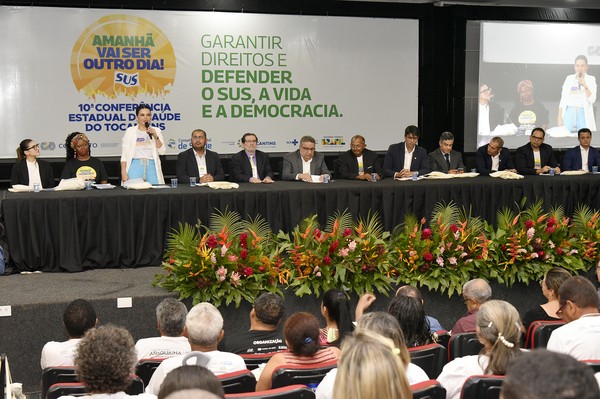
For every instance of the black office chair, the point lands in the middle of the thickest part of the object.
(430, 389)
(482, 387)
(463, 344)
(431, 358)
(539, 333)
(253, 360)
(238, 381)
(310, 375)
(55, 375)
(145, 368)
(59, 389)
(288, 392)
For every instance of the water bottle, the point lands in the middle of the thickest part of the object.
(373, 177)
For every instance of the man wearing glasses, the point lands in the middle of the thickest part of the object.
(536, 158)
(251, 165)
(475, 293)
(305, 162)
(402, 159)
(493, 157)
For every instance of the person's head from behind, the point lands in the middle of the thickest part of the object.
(577, 297)
(370, 368)
(386, 325)
(204, 326)
(191, 377)
(268, 309)
(552, 281)
(499, 329)
(105, 359)
(542, 374)
(336, 308)
(193, 394)
(584, 136)
(495, 146)
(28, 148)
(411, 291)
(475, 293)
(410, 314)
(78, 317)
(301, 333)
(446, 142)
(170, 317)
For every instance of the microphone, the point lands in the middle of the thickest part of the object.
(147, 126)
(579, 76)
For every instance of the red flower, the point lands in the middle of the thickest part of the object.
(248, 271)
(243, 240)
(551, 221)
(334, 246)
(528, 224)
(426, 233)
(261, 269)
(317, 233)
(541, 254)
(428, 257)
(559, 251)
(503, 247)
(453, 228)
(244, 254)
(211, 242)
(327, 260)
(550, 229)
(347, 231)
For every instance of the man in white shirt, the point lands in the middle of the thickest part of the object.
(580, 337)
(78, 317)
(584, 156)
(170, 321)
(204, 326)
(402, 159)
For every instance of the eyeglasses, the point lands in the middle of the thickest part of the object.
(308, 148)
(488, 90)
(250, 141)
(559, 312)
(537, 138)
(35, 146)
(465, 300)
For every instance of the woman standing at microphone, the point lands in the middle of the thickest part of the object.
(142, 145)
(575, 110)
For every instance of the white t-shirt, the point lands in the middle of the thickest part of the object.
(220, 363)
(456, 372)
(161, 347)
(59, 353)
(579, 338)
(118, 395)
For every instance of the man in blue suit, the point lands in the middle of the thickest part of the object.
(250, 164)
(402, 159)
(584, 156)
(493, 157)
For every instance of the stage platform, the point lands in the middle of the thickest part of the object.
(37, 302)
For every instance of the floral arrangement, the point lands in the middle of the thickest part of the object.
(234, 259)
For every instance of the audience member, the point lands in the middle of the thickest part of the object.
(251, 165)
(550, 285)
(170, 322)
(578, 95)
(490, 113)
(142, 144)
(475, 293)
(78, 317)
(409, 290)
(336, 310)
(528, 112)
(445, 159)
(499, 330)
(265, 334)
(542, 374)
(199, 161)
(584, 156)
(105, 362)
(204, 326)
(191, 377)
(193, 394)
(387, 326)
(493, 157)
(580, 337)
(305, 162)
(80, 162)
(402, 159)
(411, 316)
(301, 332)
(370, 368)
(30, 170)
(536, 157)
(359, 163)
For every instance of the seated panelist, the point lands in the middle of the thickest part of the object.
(250, 164)
(199, 161)
(80, 163)
(493, 157)
(536, 157)
(584, 156)
(402, 159)
(29, 170)
(445, 159)
(359, 163)
(305, 162)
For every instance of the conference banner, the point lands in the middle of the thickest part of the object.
(280, 77)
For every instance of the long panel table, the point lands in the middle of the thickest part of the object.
(76, 230)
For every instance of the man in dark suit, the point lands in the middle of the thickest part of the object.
(250, 164)
(445, 159)
(305, 162)
(584, 151)
(493, 157)
(199, 161)
(536, 157)
(402, 159)
(359, 163)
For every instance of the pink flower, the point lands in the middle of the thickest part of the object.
(327, 260)
(232, 258)
(411, 253)
(440, 261)
(452, 260)
(551, 244)
(343, 252)
(530, 233)
(235, 278)
(426, 233)
(347, 231)
(462, 255)
(221, 273)
(428, 257)
(352, 245)
(223, 250)
(457, 235)
(318, 274)
(534, 255)
(571, 252)
(213, 258)
(244, 254)
(528, 224)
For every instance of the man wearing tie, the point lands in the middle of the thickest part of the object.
(199, 161)
(402, 159)
(305, 162)
(445, 159)
(250, 164)
(359, 163)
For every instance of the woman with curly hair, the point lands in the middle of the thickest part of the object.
(105, 361)
(80, 162)
(301, 333)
